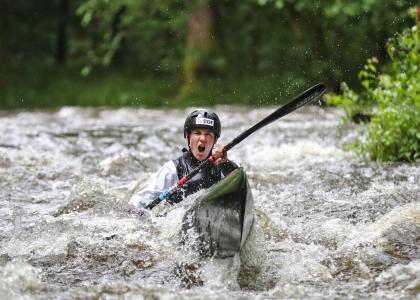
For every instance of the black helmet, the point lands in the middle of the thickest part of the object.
(203, 118)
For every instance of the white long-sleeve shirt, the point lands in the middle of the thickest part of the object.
(162, 181)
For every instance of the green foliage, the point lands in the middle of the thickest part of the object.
(327, 40)
(300, 42)
(315, 40)
(151, 34)
(393, 134)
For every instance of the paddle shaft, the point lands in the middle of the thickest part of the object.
(299, 101)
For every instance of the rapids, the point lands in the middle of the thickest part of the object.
(327, 224)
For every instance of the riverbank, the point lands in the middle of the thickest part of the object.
(53, 87)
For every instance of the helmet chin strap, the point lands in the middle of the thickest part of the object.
(188, 139)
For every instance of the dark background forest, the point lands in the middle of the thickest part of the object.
(177, 53)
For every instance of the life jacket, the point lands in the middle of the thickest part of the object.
(202, 180)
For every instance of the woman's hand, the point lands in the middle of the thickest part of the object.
(219, 156)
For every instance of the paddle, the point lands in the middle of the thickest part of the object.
(304, 98)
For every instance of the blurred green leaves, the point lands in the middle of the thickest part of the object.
(299, 42)
(392, 99)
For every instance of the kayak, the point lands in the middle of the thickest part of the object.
(223, 216)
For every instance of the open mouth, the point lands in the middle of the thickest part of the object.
(201, 149)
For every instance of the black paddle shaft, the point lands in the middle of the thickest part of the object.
(299, 101)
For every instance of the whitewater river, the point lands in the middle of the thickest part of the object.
(327, 224)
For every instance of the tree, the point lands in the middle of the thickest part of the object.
(5, 53)
(61, 46)
(202, 52)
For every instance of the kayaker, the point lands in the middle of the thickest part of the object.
(202, 129)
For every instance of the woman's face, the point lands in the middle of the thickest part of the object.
(201, 142)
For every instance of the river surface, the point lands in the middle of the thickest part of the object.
(327, 224)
